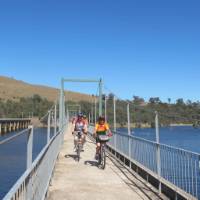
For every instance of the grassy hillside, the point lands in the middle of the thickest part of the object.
(14, 89)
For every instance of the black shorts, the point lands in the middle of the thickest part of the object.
(97, 140)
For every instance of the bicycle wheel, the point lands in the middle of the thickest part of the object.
(78, 152)
(99, 159)
(103, 158)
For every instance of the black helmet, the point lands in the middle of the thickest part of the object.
(80, 114)
(101, 118)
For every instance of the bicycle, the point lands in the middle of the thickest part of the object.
(102, 153)
(79, 146)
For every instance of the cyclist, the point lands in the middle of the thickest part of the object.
(101, 128)
(79, 126)
(73, 120)
(85, 120)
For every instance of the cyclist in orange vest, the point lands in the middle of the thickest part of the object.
(101, 128)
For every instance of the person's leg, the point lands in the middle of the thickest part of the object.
(75, 141)
(98, 148)
(82, 140)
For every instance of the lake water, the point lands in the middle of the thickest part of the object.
(185, 137)
(13, 153)
(13, 157)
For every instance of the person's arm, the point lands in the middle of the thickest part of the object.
(85, 129)
(73, 128)
(108, 130)
(95, 130)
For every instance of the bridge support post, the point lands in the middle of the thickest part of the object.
(89, 119)
(29, 147)
(114, 108)
(158, 150)
(14, 126)
(129, 133)
(92, 112)
(95, 110)
(5, 128)
(48, 127)
(61, 106)
(55, 119)
(114, 121)
(105, 105)
(10, 127)
(100, 96)
(0, 128)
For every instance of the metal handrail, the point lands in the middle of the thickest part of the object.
(14, 189)
(15, 119)
(178, 167)
(40, 170)
(153, 142)
(14, 136)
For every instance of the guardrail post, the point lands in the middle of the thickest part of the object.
(158, 150)
(114, 121)
(100, 96)
(92, 113)
(129, 133)
(55, 119)
(95, 110)
(105, 105)
(48, 126)
(114, 107)
(29, 147)
(89, 118)
(67, 118)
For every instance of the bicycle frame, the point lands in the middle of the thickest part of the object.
(102, 155)
(79, 145)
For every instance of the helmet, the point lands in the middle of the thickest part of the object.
(101, 118)
(80, 114)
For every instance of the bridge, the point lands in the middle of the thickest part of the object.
(8, 125)
(84, 180)
(136, 168)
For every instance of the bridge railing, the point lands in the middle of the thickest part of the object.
(179, 169)
(34, 183)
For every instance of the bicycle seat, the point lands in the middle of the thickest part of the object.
(103, 138)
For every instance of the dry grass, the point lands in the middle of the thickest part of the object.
(13, 89)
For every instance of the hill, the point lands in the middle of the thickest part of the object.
(14, 89)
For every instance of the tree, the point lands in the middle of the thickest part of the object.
(180, 102)
(154, 100)
(111, 96)
(189, 102)
(137, 100)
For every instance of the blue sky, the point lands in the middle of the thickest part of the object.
(139, 47)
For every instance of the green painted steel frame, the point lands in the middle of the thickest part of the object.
(62, 97)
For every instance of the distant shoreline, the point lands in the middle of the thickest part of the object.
(133, 126)
(172, 125)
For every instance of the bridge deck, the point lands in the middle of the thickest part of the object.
(83, 180)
